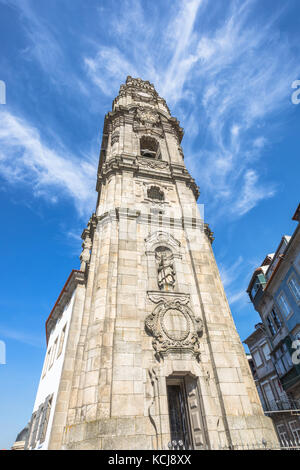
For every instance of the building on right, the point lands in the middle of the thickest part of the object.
(274, 345)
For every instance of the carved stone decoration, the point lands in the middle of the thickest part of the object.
(86, 253)
(147, 116)
(174, 329)
(165, 271)
(155, 195)
(153, 164)
(154, 192)
(162, 238)
(115, 137)
(209, 233)
(157, 297)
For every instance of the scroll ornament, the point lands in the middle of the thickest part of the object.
(174, 329)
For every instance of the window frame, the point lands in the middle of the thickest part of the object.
(297, 431)
(270, 325)
(61, 340)
(269, 354)
(281, 433)
(257, 350)
(281, 305)
(54, 349)
(293, 277)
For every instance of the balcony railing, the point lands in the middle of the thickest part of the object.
(283, 404)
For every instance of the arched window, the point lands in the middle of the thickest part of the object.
(149, 147)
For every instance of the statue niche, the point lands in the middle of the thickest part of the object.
(166, 276)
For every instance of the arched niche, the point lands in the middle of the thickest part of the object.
(149, 147)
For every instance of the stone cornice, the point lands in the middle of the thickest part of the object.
(156, 169)
(155, 220)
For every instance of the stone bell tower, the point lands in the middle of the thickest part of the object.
(152, 355)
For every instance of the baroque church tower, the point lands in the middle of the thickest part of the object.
(142, 349)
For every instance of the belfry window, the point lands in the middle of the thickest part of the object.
(149, 147)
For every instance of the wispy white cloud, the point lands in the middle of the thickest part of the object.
(22, 337)
(251, 193)
(235, 281)
(44, 46)
(230, 273)
(227, 78)
(50, 171)
(225, 71)
(239, 297)
(117, 67)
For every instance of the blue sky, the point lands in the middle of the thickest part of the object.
(226, 70)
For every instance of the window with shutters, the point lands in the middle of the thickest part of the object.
(257, 358)
(269, 396)
(35, 427)
(45, 419)
(31, 430)
(283, 361)
(266, 351)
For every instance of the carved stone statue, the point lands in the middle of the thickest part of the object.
(86, 250)
(166, 276)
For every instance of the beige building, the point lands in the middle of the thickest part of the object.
(142, 349)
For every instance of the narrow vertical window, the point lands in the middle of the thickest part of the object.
(45, 419)
(266, 351)
(276, 319)
(53, 353)
(179, 426)
(285, 307)
(61, 341)
(46, 363)
(271, 326)
(257, 358)
(295, 288)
